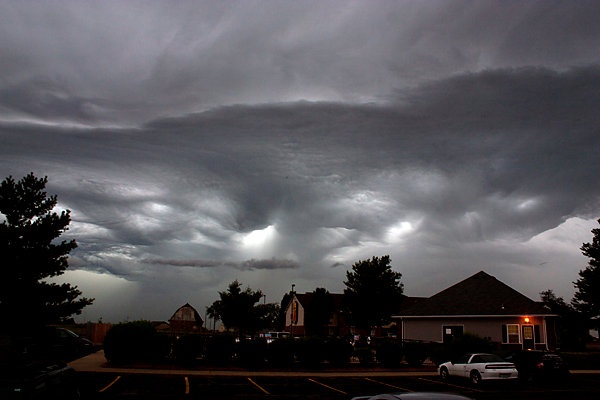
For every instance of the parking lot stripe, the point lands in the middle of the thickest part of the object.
(258, 386)
(387, 384)
(450, 384)
(327, 386)
(105, 388)
(187, 385)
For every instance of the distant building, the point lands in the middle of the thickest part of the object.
(186, 319)
(296, 306)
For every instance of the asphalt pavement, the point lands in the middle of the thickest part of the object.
(96, 362)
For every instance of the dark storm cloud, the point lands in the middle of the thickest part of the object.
(303, 136)
(252, 264)
(481, 155)
(113, 63)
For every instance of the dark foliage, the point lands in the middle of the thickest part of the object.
(318, 312)
(415, 353)
(220, 349)
(135, 341)
(372, 291)
(31, 253)
(237, 310)
(572, 325)
(365, 355)
(338, 351)
(280, 353)
(252, 353)
(389, 353)
(310, 352)
(188, 348)
(587, 296)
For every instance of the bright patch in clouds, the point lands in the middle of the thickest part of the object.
(259, 239)
(398, 231)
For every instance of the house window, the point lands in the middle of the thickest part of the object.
(510, 333)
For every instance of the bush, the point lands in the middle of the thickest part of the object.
(220, 348)
(188, 348)
(310, 352)
(134, 341)
(581, 360)
(252, 353)
(280, 352)
(338, 351)
(365, 355)
(415, 353)
(389, 353)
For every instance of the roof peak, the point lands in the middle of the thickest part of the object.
(479, 294)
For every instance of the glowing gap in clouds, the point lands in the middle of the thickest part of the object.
(259, 238)
(398, 231)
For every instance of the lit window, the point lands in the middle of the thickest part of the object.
(512, 333)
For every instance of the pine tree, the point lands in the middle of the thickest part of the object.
(31, 253)
(587, 297)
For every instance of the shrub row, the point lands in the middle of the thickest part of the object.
(582, 360)
(139, 342)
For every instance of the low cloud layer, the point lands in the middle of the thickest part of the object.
(213, 142)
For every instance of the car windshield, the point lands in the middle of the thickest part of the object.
(486, 358)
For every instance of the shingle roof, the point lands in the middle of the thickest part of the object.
(480, 294)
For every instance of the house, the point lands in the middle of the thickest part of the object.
(480, 305)
(186, 319)
(296, 305)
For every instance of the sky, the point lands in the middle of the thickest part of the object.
(277, 143)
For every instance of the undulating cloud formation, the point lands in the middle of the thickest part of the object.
(277, 143)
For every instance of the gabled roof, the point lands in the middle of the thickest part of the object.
(481, 295)
(186, 313)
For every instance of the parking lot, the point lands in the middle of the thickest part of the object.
(182, 386)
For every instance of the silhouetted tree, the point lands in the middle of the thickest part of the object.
(587, 296)
(267, 316)
(285, 301)
(236, 308)
(572, 325)
(318, 312)
(373, 291)
(31, 253)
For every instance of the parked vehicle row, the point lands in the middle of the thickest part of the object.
(530, 365)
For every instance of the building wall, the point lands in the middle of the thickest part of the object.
(294, 325)
(431, 329)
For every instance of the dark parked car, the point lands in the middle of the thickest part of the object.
(537, 365)
(39, 380)
(25, 375)
(60, 344)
